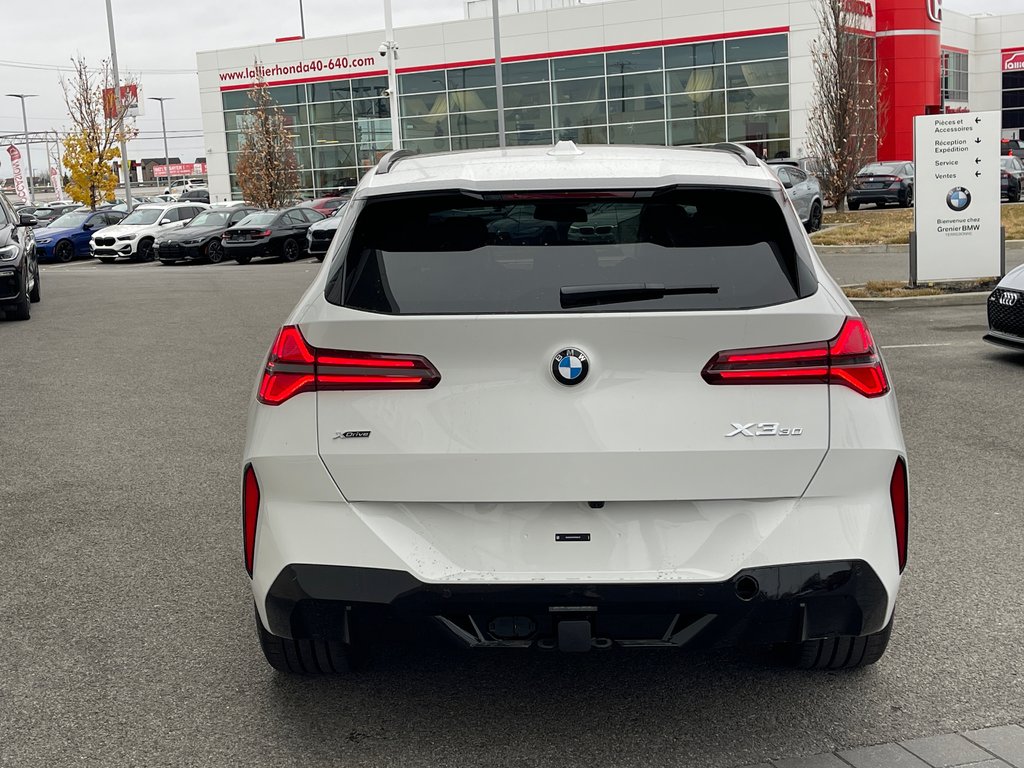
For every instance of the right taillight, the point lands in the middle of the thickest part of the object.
(898, 495)
(294, 367)
(849, 359)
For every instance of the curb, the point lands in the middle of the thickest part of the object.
(1011, 245)
(942, 300)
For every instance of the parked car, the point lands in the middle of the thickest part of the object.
(882, 183)
(133, 236)
(1006, 311)
(1011, 177)
(1012, 147)
(199, 238)
(198, 195)
(50, 212)
(68, 237)
(19, 267)
(270, 233)
(320, 233)
(184, 185)
(326, 205)
(657, 441)
(804, 191)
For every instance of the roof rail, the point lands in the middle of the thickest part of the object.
(388, 161)
(742, 151)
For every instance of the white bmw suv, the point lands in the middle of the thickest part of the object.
(675, 431)
(133, 236)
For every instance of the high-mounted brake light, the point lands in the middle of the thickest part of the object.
(250, 511)
(850, 359)
(898, 494)
(294, 367)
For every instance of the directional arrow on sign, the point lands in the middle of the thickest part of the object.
(977, 140)
(977, 173)
(977, 120)
(977, 160)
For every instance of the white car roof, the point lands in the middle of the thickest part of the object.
(567, 166)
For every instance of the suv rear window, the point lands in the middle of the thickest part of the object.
(669, 250)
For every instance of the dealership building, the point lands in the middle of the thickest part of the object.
(664, 72)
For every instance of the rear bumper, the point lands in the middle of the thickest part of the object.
(253, 251)
(876, 196)
(785, 603)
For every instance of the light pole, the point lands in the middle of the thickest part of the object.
(302, 20)
(392, 53)
(127, 166)
(28, 147)
(163, 125)
(498, 73)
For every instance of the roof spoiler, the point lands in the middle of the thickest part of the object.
(388, 161)
(742, 151)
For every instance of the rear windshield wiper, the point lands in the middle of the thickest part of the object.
(617, 293)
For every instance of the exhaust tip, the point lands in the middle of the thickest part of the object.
(747, 588)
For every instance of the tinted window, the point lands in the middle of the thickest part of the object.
(237, 216)
(260, 219)
(113, 218)
(797, 176)
(877, 169)
(461, 255)
(294, 219)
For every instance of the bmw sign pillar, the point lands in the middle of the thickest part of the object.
(958, 233)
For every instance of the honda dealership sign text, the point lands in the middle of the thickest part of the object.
(957, 197)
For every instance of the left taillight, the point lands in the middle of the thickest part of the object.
(294, 366)
(849, 359)
(900, 498)
(250, 512)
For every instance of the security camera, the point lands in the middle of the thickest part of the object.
(386, 93)
(383, 50)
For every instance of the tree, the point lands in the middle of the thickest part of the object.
(98, 128)
(266, 167)
(843, 123)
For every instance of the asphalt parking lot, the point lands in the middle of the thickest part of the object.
(127, 629)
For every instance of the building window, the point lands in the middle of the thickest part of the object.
(725, 90)
(954, 76)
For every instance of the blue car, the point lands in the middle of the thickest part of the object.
(68, 236)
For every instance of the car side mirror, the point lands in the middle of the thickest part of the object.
(88, 225)
(164, 221)
(27, 220)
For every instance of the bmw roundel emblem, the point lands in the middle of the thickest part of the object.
(570, 366)
(958, 199)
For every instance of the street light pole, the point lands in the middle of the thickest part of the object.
(392, 54)
(28, 147)
(302, 20)
(498, 73)
(125, 164)
(163, 125)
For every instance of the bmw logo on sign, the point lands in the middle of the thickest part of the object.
(570, 366)
(958, 199)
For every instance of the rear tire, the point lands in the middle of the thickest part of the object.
(306, 656)
(814, 221)
(908, 199)
(243, 259)
(215, 251)
(1014, 197)
(853, 206)
(145, 250)
(841, 652)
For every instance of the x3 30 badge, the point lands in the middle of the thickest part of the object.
(763, 429)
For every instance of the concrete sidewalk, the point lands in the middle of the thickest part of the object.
(854, 266)
(999, 747)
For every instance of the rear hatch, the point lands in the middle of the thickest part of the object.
(494, 290)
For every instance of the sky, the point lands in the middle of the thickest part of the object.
(157, 41)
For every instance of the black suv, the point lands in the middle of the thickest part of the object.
(19, 269)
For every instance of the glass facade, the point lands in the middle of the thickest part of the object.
(1013, 102)
(954, 76)
(724, 90)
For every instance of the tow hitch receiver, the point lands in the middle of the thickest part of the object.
(574, 636)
